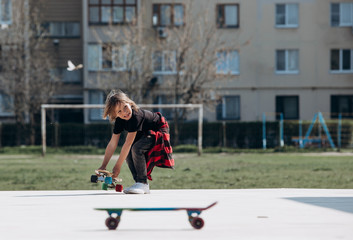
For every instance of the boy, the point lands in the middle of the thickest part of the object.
(147, 143)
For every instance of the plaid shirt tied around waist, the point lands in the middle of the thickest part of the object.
(161, 153)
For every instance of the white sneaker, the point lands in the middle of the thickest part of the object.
(138, 188)
(127, 189)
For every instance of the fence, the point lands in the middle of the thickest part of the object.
(227, 134)
(44, 107)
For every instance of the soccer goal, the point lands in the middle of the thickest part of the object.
(44, 107)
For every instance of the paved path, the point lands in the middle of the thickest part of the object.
(240, 214)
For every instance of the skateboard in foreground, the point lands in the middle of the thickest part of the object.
(105, 177)
(113, 220)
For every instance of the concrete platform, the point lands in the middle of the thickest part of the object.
(240, 214)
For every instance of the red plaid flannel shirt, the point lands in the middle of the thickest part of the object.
(161, 153)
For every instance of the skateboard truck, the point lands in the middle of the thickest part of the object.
(105, 177)
(113, 220)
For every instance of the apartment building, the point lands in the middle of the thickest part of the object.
(6, 113)
(298, 59)
(60, 24)
(284, 56)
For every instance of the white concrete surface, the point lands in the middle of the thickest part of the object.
(240, 214)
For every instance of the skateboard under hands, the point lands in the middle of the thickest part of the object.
(105, 177)
(113, 220)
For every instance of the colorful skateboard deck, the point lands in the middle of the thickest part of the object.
(193, 213)
(105, 177)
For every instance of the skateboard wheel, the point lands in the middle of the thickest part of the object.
(108, 180)
(197, 223)
(94, 178)
(104, 186)
(111, 223)
(119, 188)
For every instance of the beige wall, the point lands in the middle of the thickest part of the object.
(64, 11)
(68, 48)
(257, 40)
(314, 38)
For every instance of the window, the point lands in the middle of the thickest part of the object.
(120, 57)
(342, 14)
(229, 108)
(108, 57)
(287, 15)
(342, 60)
(287, 61)
(67, 76)
(5, 13)
(164, 99)
(342, 104)
(61, 29)
(288, 105)
(96, 97)
(6, 105)
(112, 11)
(164, 62)
(166, 15)
(228, 15)
(227, 62)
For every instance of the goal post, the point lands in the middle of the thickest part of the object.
(44, 107)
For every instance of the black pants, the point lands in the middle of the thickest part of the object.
(136, 159)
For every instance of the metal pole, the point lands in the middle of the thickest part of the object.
(301, 145)
(224, 134)
(281, 138)
(319, 134)
(322, 122)
(200, 130)
(339, 131)
(264, 131)
(44, 133)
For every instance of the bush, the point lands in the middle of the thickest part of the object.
(185, 149)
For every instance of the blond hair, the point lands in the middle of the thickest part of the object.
(114, 98)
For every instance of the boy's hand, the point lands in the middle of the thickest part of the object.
(115, 176)
(100, 168)
(115, 172)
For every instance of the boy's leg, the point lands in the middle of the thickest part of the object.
(131, 165)
(138, 153)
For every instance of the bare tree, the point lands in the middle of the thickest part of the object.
(196, 46)
(128, 58)
(25, 75)
(193, 48)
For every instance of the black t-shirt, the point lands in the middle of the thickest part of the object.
(141, 121)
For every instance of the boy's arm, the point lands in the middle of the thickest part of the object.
(110, 149)
(123, 153)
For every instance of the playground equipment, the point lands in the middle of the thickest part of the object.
(302, 142)
(307, 139)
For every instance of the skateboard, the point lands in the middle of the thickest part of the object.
(113, 220)
(105, 177)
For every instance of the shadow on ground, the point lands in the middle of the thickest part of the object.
(344, 204)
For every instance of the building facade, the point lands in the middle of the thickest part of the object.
(59, 22)
(297, 60)
(290, 57)
(62, 22)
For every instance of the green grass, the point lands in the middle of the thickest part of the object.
(91, 150)
(210, 171)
